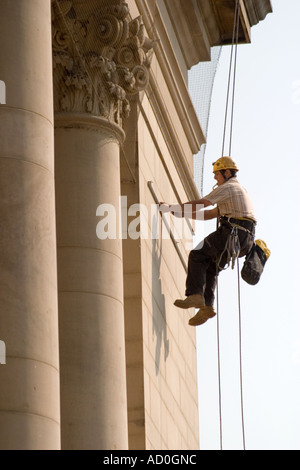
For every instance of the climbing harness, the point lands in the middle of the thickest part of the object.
(231, 250)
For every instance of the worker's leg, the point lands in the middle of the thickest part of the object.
(211, 282)
(212, 270)
(197, 266)
(200, 260)
(212, 273)
(207, 311)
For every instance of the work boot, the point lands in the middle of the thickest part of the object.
(202, 316)
(195, 300)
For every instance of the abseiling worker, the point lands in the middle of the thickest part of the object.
(234, 209)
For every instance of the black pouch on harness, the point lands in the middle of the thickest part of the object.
(255, 262)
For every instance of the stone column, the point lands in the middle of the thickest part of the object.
(100, 57)
(29, 381)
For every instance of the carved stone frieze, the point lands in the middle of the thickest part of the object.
(100, 57)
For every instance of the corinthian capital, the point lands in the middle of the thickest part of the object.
(100, 56)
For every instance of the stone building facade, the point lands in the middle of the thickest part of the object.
(96, 127)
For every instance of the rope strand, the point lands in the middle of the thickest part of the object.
(240, 355)
(219, 368)
(234, 74)
(234, 43)
(235, 37)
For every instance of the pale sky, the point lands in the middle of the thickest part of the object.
(266, 145)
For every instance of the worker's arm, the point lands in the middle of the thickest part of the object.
(211, 214)
(191, 209)
(203, 215)
(196, 205)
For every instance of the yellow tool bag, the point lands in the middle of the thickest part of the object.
(255, 262)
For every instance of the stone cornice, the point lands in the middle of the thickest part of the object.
(257, 10)
(173, 75)
(202, 24)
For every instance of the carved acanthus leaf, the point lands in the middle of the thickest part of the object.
(100, 56)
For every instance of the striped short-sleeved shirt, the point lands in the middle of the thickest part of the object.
(232, 199)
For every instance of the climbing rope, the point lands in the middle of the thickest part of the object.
(240, 354)
(234, 49)
(233, 64)
(219, 369)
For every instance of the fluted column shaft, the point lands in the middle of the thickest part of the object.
(29, 390)
(91, 317)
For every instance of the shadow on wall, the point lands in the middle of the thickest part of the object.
(159, 326)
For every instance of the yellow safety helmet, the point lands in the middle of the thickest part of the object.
(224, 163)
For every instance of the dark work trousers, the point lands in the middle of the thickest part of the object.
(205, 264)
